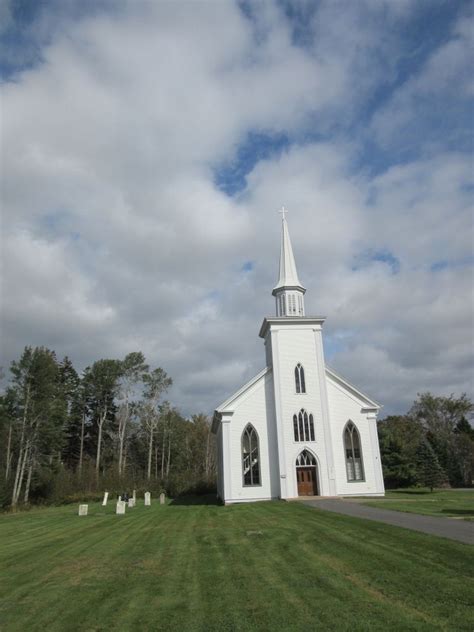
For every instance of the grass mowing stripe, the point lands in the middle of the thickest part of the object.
(266, 566)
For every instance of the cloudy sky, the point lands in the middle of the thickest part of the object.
(147, 146)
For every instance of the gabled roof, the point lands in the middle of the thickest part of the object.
(347, 386)
(230, 403)
(232, 399)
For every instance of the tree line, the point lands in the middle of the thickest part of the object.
(432, 445)
(69, 435)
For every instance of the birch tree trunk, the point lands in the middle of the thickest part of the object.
(20, 474)
(21, 450)
(17, 474)
(81, 450)
(28, 481)
(123, 419)
(163, 453)
(99, 441)
(150, 453)
(169, 456)
(9, 454)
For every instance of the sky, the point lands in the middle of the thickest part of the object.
(146, 147)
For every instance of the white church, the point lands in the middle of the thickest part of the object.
(297, 428)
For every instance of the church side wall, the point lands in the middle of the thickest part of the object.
(220, 464)
(256, 408)
(342, 408)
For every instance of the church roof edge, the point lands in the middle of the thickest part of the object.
(372, 404)
(225, 405)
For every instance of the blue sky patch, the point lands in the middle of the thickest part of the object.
(231, 177)
(248, 266)
(443, 264)
(364, 259)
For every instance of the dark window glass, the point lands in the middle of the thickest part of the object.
(306, 426)
(299, 379)
(301, 427)
(250, 456)
(354, 464)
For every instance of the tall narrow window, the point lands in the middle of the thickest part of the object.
(354, 464)
(299, 379)
(303, 426)
(295, 427)
(250, 456)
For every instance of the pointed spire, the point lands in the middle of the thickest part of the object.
(288, 292)
(288, 274)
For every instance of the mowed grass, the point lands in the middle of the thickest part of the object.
(447, 503)
(197, 567)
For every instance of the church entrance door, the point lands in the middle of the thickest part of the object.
(306, 474)
(307, 481)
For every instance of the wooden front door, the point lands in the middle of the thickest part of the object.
(307, 481)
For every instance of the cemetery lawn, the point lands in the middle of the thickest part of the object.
(447, 503)
(270, 566)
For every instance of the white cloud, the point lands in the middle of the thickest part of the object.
(117, 239)
(438, 91)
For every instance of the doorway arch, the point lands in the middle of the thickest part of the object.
(307, 474)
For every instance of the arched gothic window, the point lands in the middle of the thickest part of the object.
(250, 456)
(299, 379)
(352, 448)
(303, 426)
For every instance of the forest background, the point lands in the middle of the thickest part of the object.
(67, 436)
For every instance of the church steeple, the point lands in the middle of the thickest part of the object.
(289, 293)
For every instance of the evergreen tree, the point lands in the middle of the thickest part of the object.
(399, 437)
(429, 471)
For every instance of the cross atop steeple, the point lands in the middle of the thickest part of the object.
(283, 210)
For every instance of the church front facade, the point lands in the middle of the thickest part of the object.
(297, 428)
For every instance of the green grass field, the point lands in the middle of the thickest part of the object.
(447, 503)
(264, 566)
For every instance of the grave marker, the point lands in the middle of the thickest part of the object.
(120, 510)
(162, 498)
(106, 497)
(131, 502)
(147, 499)
(83, 510)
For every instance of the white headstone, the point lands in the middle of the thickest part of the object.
(147, 499)
(162, 498)
(83, 510)
(120, 507)
(131, 502)
(135, 495)
(106, 497)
